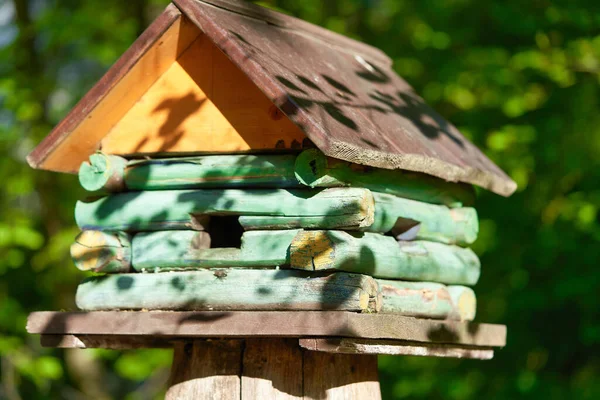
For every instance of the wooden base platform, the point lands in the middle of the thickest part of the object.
(247, 355)
(331, 331)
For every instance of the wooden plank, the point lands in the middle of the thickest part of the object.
(314, 169)
(272, 369)
(114, 173)
(391, 347)
(232, 324)
(206, 370)
(433, 222)
(173, 209)
(340, 376)
(179, 250)
(382, 257)
(114, 342)
(80, 132)
(330, 345)
(228, 289)
(98, 251)
(191, 108)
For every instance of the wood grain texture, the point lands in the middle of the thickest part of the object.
(329, 345)
(416, 299)
(340, 376)
(228, 289)
(391, 347)
(79, 134)
(347, 100)
(113, 342)
(464, 301)
(173, 250)
(272, 369)
(382, 257)
(230, 324)
(202, 103)
(206, 370)
(352, 208)
(98, 251)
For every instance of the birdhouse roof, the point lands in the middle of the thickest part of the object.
(342, 94)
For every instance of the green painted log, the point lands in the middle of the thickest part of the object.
(267, 222)
(314, 169)
(229, 289)
(350, 208)
(435, 222)
(383, 257)
(114, 173)
(408, 219)
(416, 299)
(427, 300)
(173, 250)
(465, 302)
(102, 252)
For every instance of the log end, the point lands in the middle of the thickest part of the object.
(465, 302)
(103, 172)
(102, 252)
(312, 251)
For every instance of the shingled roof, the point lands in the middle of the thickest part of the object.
(341, 93)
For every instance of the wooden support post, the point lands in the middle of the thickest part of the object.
(272, 368)
(340, 376)
(206, 370)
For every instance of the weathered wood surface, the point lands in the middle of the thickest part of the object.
(329, 345)
(247, 289)
(206, 370)
(340, 376)
(114, 342)
(114, 173)
(232, 324)
(229, 289)
(464, 301)
(416, 299)
(314, 169)
(272, 369)
(407, 219)
(382, 257)
(205, 111)
(172, 250)
(98, 251)
(394, 347)
(351, 208)
(435, 223)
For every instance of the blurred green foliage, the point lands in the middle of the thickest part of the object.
(521, 79)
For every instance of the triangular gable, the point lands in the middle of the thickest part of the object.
(343, 95)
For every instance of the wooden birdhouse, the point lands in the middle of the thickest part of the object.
(273, 201)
